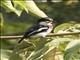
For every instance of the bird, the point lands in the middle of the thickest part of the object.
(41, 29)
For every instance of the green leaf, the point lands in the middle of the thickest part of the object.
(72, 51)
(1, 20)
(72, 43)
(63, 26)
(32, 7)
(68, 27)
(20, 5)
(9, 7)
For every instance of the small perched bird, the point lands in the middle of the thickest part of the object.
(42, 28)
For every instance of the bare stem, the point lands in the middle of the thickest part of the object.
(51, 35)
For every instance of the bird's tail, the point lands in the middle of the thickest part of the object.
(21, 40)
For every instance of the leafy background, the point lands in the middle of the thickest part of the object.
(14, 21)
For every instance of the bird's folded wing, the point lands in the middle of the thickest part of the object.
(36, 29)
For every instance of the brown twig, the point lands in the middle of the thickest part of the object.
(61, 34)
(51, 34)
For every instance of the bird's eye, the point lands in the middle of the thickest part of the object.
(47, 21)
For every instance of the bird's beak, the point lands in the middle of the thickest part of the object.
(54, 23)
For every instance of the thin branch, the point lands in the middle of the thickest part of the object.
(61, 34)
(51, 35)
(10, 37)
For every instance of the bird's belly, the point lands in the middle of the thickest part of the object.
(43, 34)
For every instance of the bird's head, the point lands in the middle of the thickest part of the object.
(46, 21)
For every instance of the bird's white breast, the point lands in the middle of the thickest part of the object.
(43, 34)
